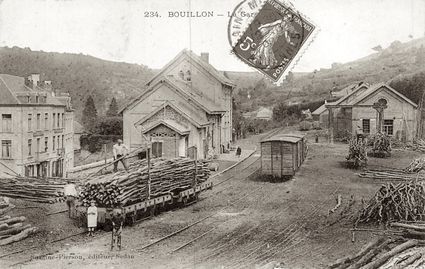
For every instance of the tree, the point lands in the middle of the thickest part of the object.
(89, 116)
(113, 108)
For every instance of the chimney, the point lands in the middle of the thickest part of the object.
(32, 80)
(205, 56)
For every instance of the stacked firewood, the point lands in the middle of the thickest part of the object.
(391, 175)
(403, 201)
(124, 187)
(35, 190)
(419, 145)
(384, 253)
(416, 165)
(381, 143)
(12, 229)
(357, 153)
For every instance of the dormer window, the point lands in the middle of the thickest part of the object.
(181, 74)
(188, 76)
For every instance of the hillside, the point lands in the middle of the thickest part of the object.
(78, 74)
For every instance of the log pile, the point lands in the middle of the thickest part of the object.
(419, 145)
(381, 143)
(384, 253)
(391, 175)
(123, 187)
(357, 153)
(13, 229)
(416, 165)
(35, 190)
(403, 201)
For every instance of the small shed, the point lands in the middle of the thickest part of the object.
(283, 154)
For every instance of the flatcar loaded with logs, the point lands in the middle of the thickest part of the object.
(145, 189)
(283, 154)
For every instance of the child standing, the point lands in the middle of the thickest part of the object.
(92, 218)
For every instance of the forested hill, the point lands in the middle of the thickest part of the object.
(401, 64)
(79, 74)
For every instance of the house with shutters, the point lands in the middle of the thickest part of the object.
(185, 109)
(354, 108)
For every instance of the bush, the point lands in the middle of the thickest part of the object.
(95, 142)
(306, 126)
(381, 142)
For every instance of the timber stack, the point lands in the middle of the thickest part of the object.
(384, 253)
(125, 187)
(12, 229)
(395, 202)
(416, 165)
(391, 175)
(31, 189)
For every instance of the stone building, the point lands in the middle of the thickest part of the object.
(355, 109)
(36, 128)
(185, 108)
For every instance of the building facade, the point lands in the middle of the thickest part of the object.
(355, 109)
(36, 128)
(186, 108)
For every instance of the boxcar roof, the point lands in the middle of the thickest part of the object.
(291, 138)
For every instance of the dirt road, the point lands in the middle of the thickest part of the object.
(247, 222)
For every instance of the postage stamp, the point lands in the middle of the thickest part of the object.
(273, 40)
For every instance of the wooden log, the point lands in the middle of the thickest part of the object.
(17, 237)
(370, 254)
(413, 258)
(4, 217)
(13, 220)
(4, 226)
(362, 252)
(15, 229)
(408, 226)
(396, 250)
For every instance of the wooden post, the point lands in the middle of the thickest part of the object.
(330, 125)
(379, 106)
(148, 156)
(196, 167)
(104, 152)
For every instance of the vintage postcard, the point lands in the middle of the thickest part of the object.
(222, 134)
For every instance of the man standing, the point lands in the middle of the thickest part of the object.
(117, 223)
(70, 193)
(119, 150)
(359, 133)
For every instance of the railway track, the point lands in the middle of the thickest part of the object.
(247, 167)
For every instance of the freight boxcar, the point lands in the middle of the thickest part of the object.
(283, 154)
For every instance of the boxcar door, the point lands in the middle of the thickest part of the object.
(276, 159)
(287, 168)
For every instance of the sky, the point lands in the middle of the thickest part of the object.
(118, 30)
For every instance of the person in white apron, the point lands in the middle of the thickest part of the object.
(92, 218)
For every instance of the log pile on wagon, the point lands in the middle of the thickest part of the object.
(124, 187)
(31, 189)
(12, 229)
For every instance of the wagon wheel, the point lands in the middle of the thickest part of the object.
(153, 211)
(184, 201)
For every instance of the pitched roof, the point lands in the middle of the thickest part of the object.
(183, 89)
(193, 119)
(172, 124)
(320, 109)
(206, 66)
(375, 88)
(347, 90)
(11, 86)
(353, 92)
